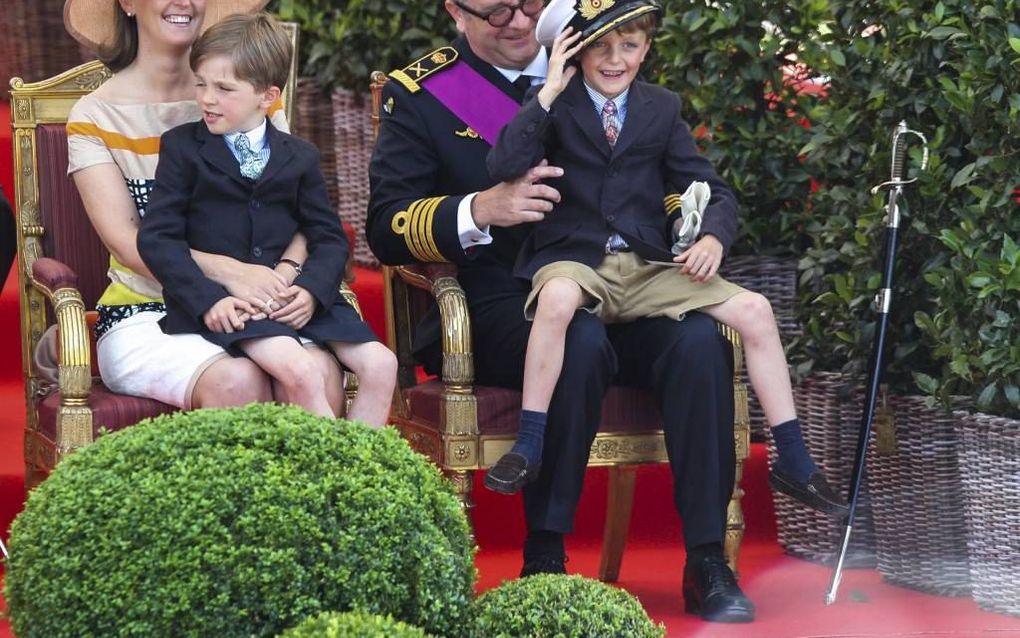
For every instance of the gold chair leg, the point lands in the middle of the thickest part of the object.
(618, 509)
(463, 481)
(735, 523)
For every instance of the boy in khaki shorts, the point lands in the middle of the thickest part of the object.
(606, 247)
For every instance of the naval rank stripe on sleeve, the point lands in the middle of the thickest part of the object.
(671, 202)
(418, 232)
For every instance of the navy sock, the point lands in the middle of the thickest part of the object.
(530, 436)
(794, 458)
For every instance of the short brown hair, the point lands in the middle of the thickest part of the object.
(647, 22)
(256, 44)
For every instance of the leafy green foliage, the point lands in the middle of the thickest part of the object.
(558, 605)
(343, 41)
(353, 624)
(734, 66)
(238, 523)
(945, 67)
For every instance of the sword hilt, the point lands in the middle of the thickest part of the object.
(899, 157)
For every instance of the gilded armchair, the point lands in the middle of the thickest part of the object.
(62, 272)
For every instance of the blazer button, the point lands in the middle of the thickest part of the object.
(256, 251)
(610, 218)
(531, 128)
(255, 204)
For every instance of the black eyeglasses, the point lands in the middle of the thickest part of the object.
(504, 13)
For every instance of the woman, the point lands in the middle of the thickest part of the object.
(113, 144)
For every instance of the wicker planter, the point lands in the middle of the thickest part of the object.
(830, 424)
(35, 45)
(776, 278)
(990, 470)
(352, 127)
(313, 121)
(917, 499)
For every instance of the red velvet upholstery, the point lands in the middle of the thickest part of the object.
(624, 410)
(110, 411)
(69, 237)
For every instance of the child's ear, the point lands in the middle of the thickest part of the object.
(270, 96)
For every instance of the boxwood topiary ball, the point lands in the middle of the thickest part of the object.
(559, 605)
(353, 624)
(238, 522)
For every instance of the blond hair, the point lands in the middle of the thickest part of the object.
(256, 45)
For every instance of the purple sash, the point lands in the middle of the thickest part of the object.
(473, 99)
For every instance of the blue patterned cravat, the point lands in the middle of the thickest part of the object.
(251, 164)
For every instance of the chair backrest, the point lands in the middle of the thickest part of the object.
(51, 219)
(405, 305)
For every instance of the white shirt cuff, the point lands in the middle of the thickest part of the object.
(470, 235)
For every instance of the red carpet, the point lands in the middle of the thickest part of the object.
(788, 592)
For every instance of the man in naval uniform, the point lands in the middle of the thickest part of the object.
(432, 200)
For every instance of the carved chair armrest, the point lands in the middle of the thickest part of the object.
(350, 379)
(440, 280)
(58, 283)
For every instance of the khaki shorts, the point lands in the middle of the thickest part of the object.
(625, 288)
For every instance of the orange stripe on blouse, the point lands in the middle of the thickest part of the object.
(141, 146)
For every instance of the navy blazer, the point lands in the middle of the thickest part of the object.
(608, 189)
(202, 201)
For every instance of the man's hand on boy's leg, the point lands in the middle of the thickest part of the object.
(298, 307)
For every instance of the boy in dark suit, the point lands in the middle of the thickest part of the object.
(620, 142)
(232, 184)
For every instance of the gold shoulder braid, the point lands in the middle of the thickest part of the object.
(423, 67)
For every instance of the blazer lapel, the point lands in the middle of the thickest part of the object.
(580, 107)
(639, 116)
(213, 148)
(280, 152)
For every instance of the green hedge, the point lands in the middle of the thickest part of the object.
(558, 605)
(353, 624)
(730, 62)
(238, 523)
(951, 69)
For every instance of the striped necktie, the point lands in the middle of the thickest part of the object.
(610, 122)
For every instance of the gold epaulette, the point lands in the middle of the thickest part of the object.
(423, 67)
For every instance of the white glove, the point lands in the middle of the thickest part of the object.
(692, 208)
